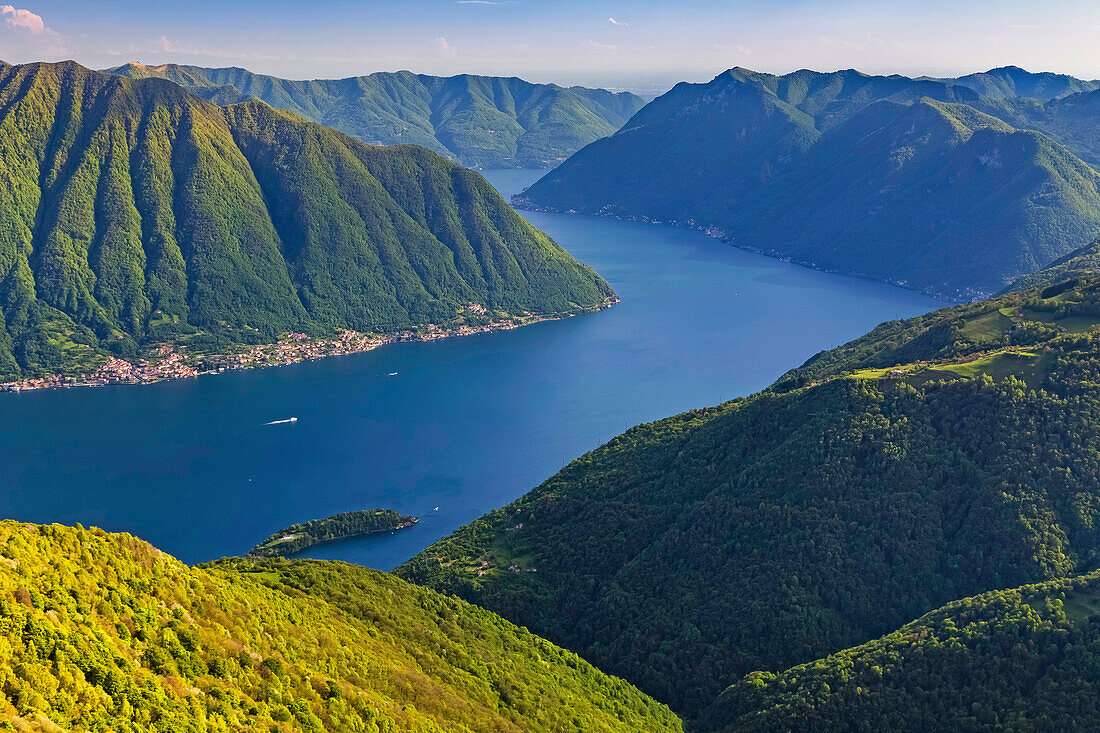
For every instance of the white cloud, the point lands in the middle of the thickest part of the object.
(23, 19)
(25, 34)
(617, 22)
(445, 46)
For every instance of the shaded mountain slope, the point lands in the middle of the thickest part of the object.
(1020, 659)
(905, 180)
(104, 632)
(491, 122)
(1073, 121)
(882, 481)
(134, 213)
(936, 196)
(1012, 81)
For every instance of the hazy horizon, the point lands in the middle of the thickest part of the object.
(640, 46)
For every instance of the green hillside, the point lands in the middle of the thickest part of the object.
(492, 122)
(931, 460)
(914, 181)
(1080, 262)
(1062, 298)
(1021, 659)
(104, 632)
(135, 213)
(1073, 121)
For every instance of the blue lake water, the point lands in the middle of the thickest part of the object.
(465, 425)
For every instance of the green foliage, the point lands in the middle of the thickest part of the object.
(1022, 659)
(933, 459)
(298, 537)
(104, 632)
(1064, 298)
(486, 121)
(913, 181)
(135, 213)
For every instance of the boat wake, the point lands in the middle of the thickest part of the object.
(279, 422)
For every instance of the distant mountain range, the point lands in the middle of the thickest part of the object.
(940, 185)
(932, 459)
(1012, 81)
(134, 213)
(481, 121)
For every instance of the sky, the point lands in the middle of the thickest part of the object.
(641, 44)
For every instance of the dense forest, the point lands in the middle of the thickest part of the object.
(921, 182)
(104, 632)
(135, 213)
(298, 537)
(486, 121)
(1020, 659)
(934, 459)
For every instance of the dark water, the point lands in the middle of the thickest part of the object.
(465, 425)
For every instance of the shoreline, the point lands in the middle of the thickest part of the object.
(520, 203)
(170, 362)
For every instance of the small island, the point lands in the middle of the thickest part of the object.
(336, 527)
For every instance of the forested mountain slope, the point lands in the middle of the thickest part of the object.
(133, 212)
(1060, 298)
(933, 459)
(936, 196)
(1006, 82)
(493, 122)
(1020, 659)
(104, 632)
(912, 181)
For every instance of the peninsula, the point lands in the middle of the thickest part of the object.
(159, 219)
(341, 526)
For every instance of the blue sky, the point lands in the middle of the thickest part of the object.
(619, 44)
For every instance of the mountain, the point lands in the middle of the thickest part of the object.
(1073, 121)
(933, 459)
(935, 196)
(1078, 263)
(904, 180)
(104, 632)
(1061, 296)
(135, 213)
(487, 121)
(1012, 81)
(1020, 659)
(705, 144)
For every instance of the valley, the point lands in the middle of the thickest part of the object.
(496, 398)
(699, 322)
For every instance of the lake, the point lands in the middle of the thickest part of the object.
(464, 426)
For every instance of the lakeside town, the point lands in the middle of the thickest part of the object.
(170, 361)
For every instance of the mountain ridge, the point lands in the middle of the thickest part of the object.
(139, 214)
(924, 462)
(947, 669)
(731, 155)
(481, 121)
